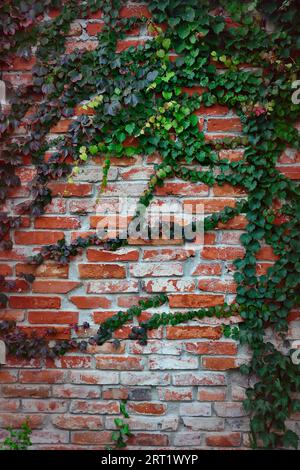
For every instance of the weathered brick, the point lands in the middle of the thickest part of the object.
(203, 424)
(195, 409)
(22, 391)
(211, 394)
(42, 376)
(171, 362)
(119, 363)
(198, 378)
(94, 407)
(193, 331)
(44, 406)
(94, 377)
(156, 269)
(91, 437)
(120, 255)
(111, 286)
(147, 408)
(78, 422)
(211, 347)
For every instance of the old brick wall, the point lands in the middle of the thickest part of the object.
(183, 388)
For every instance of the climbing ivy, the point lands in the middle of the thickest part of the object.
(138, 96)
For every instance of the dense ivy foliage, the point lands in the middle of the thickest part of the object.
(138, 95)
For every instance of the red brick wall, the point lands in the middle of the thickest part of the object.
(183, 388)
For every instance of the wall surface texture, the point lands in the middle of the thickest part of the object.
(184, 390)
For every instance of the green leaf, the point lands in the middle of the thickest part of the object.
(166, 43)
(189, 14)
(218, 27)
(184, 30)
(167, 95)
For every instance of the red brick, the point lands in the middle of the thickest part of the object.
(148, 439)
(199, 378)
(224, 440)
(45, 270)
(195, 300)
(78, 422)
(19, 286)
(267, 253)
(219, 363)
(211, 347)
(115, 394)
(15, 315)
(95, 15)
(53, 318)
(34, 302)
(76, 391)
(16, 420)
(135, 10)
(61, 126)
(57, 287)
(42, 376)
(74, 362)
(215, 110)
(168, 254)
(56, 222)
(94, 28)
(70, 189)
(212, 269)
(193, 90)
(211, 394)
(119, 363)
(193, 331)
(123, 44)
(101, 271)
(210, 205)
(175, 394)
(71, 46)
(222, 253)
(23, 391)
(102, 255)
(9, 404)
(238, 222)
(59, 332)
(224, 125)
(37, 238)
(147, 408)
(44, 406)
(182, 189)
(95, 407)
(228, 190)
(90, 302)
(7, 376)
(94, 378)
(216, 285)
(100, 317)
(5, 270)
(18, 63)
(91, 437)
(292, 172)
(231, 155)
